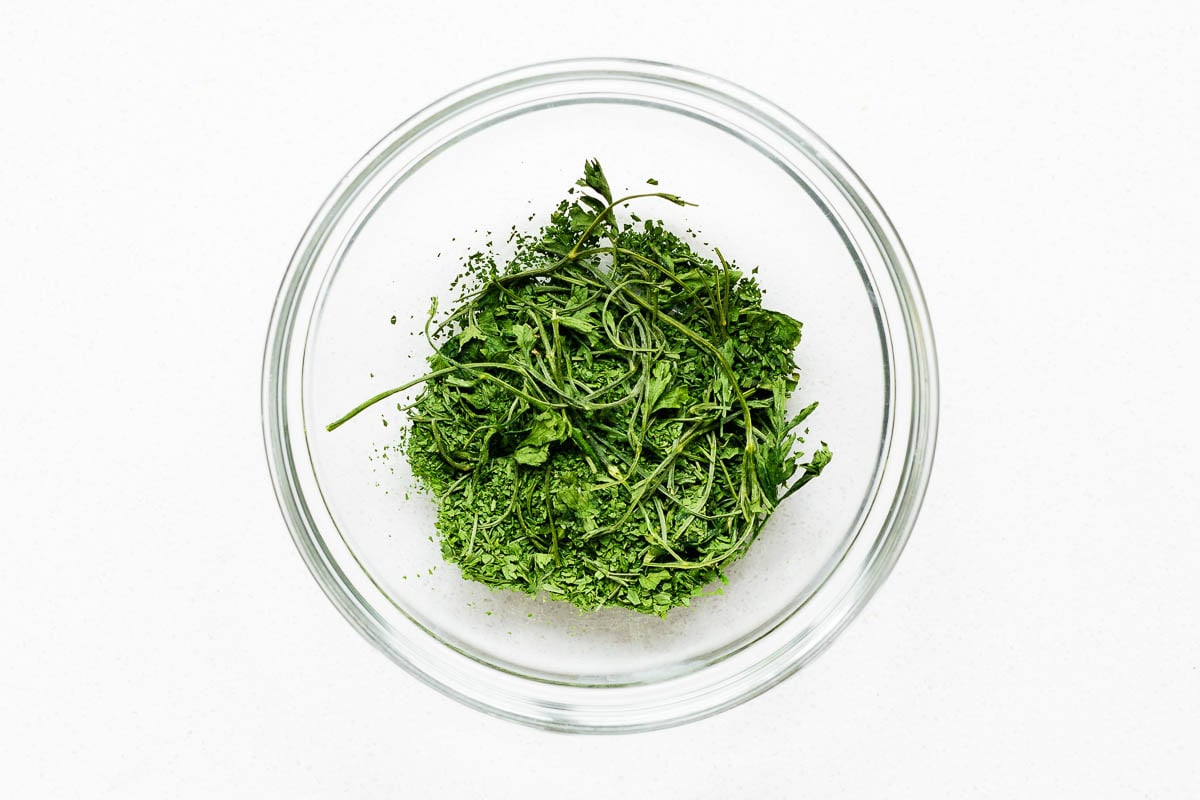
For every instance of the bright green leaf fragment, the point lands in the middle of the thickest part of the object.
(605, 414)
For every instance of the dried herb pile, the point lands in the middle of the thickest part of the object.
(604, 416)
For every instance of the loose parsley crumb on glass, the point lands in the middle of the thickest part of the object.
(604, 419)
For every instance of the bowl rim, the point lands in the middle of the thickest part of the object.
(919, 449)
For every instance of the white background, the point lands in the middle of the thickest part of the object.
(161, 637)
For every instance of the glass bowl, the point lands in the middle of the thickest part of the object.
(461, 173)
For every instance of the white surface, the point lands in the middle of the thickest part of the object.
(1040, 636)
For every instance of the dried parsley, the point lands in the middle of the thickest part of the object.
(604, 416)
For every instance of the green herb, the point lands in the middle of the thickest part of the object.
(604, 416)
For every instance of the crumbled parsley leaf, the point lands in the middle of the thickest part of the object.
(604, 419)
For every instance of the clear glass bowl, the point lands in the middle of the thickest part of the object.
(461, 172)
